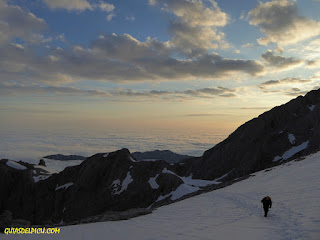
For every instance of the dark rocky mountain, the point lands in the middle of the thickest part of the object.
(62, 157)
(102, 183)
(283, 133)
(165, 155)
(106, 183)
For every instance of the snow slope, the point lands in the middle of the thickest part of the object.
(233, 212)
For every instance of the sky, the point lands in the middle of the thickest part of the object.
(144, 64)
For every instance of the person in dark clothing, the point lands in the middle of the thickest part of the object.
(267, 203)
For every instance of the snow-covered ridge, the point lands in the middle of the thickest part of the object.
(227, 213)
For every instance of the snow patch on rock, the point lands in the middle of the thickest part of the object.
(124, 185)
(197, 182)
(15, 165)
(64, 186)
(311, 107)
(189, 185)
(292, 151)
(153, 183)
(292, 138)
(181, 191)
(40, 178)
(165, 170)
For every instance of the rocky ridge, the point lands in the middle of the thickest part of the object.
(103, 183)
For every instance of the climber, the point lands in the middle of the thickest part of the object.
(267, 203)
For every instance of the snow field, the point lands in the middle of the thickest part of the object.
(231, 213)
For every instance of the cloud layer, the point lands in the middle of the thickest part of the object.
(280, 21)
(210, 92)
(196, 30)
(116, 58)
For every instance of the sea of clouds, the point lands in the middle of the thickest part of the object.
(33, 145)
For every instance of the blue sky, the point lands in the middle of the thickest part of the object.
(154, 63)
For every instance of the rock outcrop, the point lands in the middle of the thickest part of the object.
(42, 163)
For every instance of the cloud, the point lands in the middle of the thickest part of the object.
(280, 22)
(247, 45)
(122, 57)
(292, 92)
(18, 89)
(70, 5)
(295, 92)
(206, 115)
(280, 63)
(131, 19)
(110, 16)
(284, 81)
(316, 76)
(18, 23)
(118, 59)
(288, 86)
(194, 29)
(106, 7)
(111, 57)
(313, 64)
(213, 91)
(210, 92)
(254, 108)
(127, 48)
(79, 5)
(152, 2)
(279, 49)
